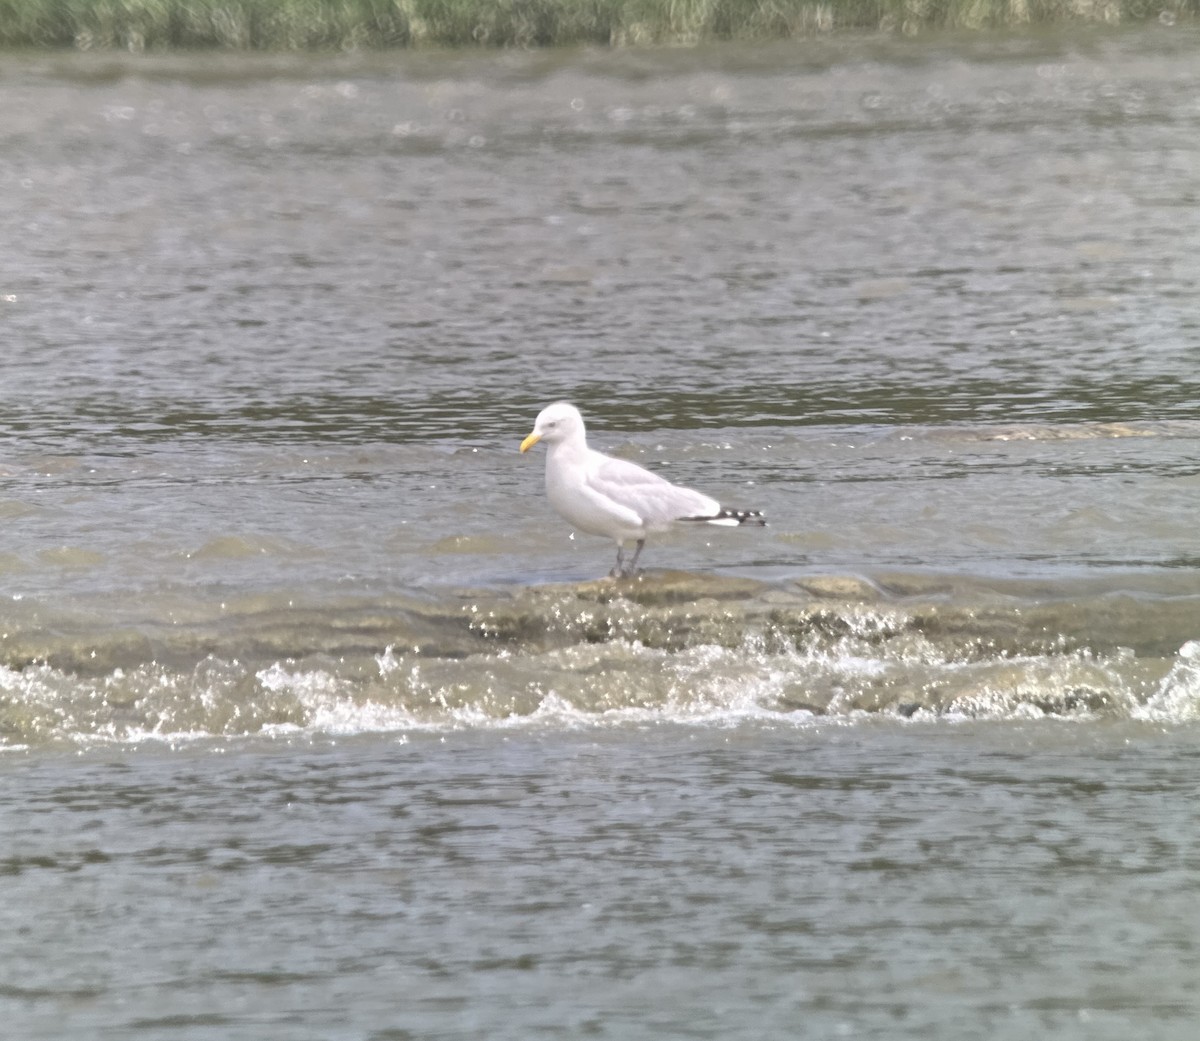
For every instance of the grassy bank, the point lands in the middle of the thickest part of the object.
(305, 24)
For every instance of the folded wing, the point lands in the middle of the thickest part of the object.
(656, 500)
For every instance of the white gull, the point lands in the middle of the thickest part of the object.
(613, 497)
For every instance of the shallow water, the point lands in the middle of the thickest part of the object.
(276, 328)
(860, 881)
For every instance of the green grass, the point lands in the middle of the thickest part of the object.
(343, 24)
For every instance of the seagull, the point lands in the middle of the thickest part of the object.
(613, 497)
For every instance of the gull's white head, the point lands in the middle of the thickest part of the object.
(555, 423)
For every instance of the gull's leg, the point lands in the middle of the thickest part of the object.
(636, 553)
(619, 570)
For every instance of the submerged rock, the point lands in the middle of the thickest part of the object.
(653, 588)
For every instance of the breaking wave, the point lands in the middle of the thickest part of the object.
(669, 649)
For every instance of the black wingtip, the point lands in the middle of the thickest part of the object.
(731, 517)
(746, 516)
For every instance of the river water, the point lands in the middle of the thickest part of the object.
(315, 722)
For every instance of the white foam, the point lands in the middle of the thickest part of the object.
(1177, 699)
(869, 672)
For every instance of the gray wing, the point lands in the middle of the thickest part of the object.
(656, 500)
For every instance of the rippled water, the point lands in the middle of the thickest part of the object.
(290, 638)
(677, 882)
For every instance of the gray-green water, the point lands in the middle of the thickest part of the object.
(839, 881)
(314, 721)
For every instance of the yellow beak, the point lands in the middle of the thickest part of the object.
(530, 441)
